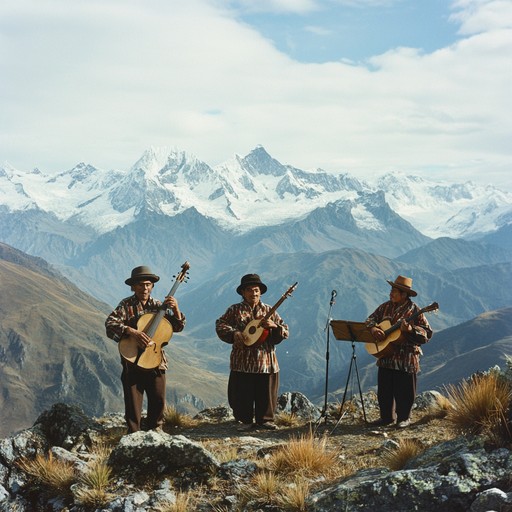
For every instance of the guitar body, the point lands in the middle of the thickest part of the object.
(254, 334)
(151, 357)
(385, 347)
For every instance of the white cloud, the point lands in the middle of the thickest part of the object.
(317, 30)
(477, 16)
(102, 81)
(272, 6)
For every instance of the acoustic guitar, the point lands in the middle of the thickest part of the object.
(157, 327)
(254, 333)
(386, 347)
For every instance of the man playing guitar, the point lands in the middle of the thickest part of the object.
(254, 376)
(399, 364)
(122, 323)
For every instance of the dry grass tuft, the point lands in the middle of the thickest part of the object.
(184, 503)
(480, 406)
(92, 490)
(441, 408)
(307, 456)
(295, 494)
(175, 419)
(396, 458)
(287, 419)
(55, 475)
(224, 452)
(264, 487)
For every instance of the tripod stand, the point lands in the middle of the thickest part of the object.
(353, 332)
(324, 410)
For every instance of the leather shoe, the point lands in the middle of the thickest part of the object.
(268, 425)
(381, 423)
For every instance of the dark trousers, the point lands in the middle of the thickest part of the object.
(136, 382)
(253, 396)
(396, 394)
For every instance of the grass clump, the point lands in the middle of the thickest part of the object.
(56, 476)
(184, 503)
(295, 495)
(396, 458)
(305, 455)
(223, 452)
(263, 488)
(266, 489)
(288, 420)
(174, 419)
(481, 405)
(93, 484)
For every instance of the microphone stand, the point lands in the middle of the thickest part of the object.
(334, 293)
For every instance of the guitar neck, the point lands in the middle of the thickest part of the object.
(396, 326)
(279, 302)
(273, 309)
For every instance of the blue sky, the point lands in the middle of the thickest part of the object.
(354, 31)
(358, 86)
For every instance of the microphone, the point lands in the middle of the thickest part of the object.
(333, 296)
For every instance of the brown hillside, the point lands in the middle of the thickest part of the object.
(53, 348)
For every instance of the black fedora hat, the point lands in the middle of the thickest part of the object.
(142, 273)
(251, 280)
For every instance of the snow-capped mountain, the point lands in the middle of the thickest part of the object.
(254, 214)
(441, 209)
(246, 193)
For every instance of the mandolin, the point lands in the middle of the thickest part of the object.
(254, 333)
(385, 347)
(157, 327)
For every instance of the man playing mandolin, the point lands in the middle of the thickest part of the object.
(399, 363)
(254, 370)
(121, 324)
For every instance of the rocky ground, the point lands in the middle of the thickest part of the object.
(211, 464)
(353, 437)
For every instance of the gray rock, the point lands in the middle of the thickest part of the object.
(451, 485)
(63, 423)
(299, 405)
(160, 453)
(491, 499)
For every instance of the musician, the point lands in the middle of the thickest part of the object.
(254, 370)
(123, 322)
(397, 373)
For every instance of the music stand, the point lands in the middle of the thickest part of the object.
(354, 332)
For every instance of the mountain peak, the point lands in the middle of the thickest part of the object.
(155, 158)
(258, 161)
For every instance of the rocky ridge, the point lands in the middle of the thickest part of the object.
(152, 469)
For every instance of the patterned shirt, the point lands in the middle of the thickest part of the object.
(407, 352)
(252, 359)
(127, 314)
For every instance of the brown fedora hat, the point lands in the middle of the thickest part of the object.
(141, 273)
(251, 280)
(403, 283)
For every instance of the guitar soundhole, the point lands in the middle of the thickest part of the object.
(252, 329)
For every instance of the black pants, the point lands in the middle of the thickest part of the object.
(396, 394)
(253, 396)
(136, 382)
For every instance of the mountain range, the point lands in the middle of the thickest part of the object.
(90, 227)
